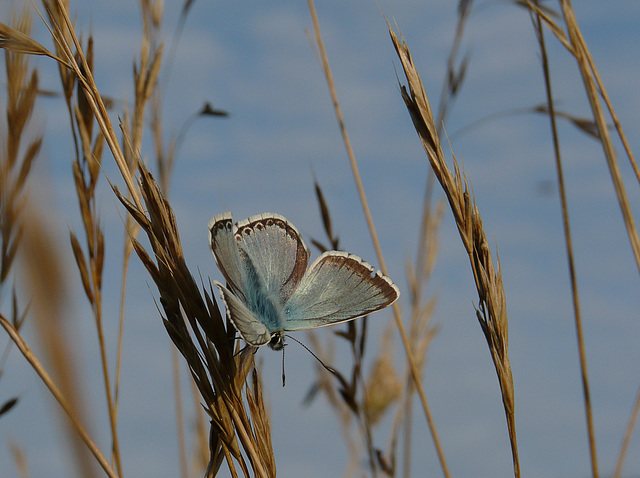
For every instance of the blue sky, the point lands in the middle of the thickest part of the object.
(254, 60)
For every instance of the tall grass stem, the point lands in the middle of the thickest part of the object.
(415, 373)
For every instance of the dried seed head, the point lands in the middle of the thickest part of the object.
(383, 388)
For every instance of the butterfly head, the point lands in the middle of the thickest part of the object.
(277, 340)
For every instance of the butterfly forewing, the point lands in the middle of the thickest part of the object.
(276, 250)
(338, 287)
(266, 243)
(224, 246)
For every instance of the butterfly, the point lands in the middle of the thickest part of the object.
(270, 291)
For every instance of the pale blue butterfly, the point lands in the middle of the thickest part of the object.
(269, 290)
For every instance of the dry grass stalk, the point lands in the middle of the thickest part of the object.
(455, 74)
(45, 280)
(201, 452)
(583, 124)
(353, 391)
(594, 89)
(148, 97)
(365, 401)
(326, 384)
(537, 21)
(22, 88)
(41, 268)
(491, 311)
(628, 433)
(14, 40)
(415, 372)
(383, 386)
(421, 332)
(353, 398)
(86, 171)
(145, 74)
(66, 40)
(356, 399)
(196, 327)
(69, 408)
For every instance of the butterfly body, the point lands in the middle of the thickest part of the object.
(269, 289)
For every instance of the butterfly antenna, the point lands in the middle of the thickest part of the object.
(327, 368)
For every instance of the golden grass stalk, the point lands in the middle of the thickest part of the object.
(24, 230)
(595, 91)
(148, 98)
(492, 310)
(45, 280)
(354, 397)
(537, 20)
(364, 401)
(86, 171)
(16, 41)
(67, 406)
(66, 41)
(628, 433)
(415, 372)
(421, 332)
(325, 383)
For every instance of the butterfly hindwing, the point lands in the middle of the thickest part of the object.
(338, 287)
(252, 330)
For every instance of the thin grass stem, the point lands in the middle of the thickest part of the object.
(567, 235)
(415, 373)
(568, 242)
(628, 433)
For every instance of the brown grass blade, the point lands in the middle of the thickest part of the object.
(82, 265)
(20, 460)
